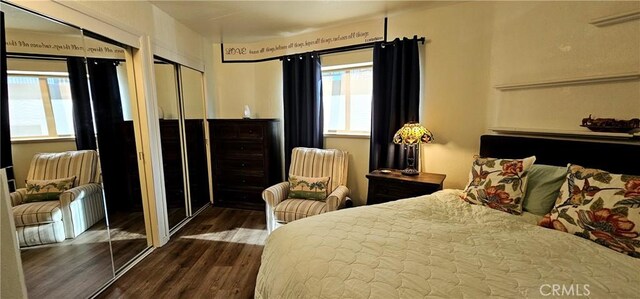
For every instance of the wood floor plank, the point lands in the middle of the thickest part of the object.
(216, 255)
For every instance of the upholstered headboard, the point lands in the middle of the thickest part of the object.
(623, 158)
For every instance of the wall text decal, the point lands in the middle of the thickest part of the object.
(27, 42)
(366, 32)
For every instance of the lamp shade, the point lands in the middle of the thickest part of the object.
(412, 133)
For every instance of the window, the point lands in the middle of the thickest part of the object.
(346, 94)
(40, 106)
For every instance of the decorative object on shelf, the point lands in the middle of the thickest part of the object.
(247, 112)
(610, 124)
(411, 135)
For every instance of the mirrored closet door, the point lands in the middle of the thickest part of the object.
(64, 242)
(168, 94)
(78, 203)
(193, 104)
(110, 77)
(181, 106)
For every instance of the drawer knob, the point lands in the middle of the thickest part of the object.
(250, 131)
(242, 147)
(243, 165)
(244, 181)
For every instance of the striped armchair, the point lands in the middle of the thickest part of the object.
(75, 211)
(308, 162)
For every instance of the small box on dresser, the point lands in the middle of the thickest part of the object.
(385, 187)
(245, 160)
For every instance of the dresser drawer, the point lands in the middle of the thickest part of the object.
(242, 180)
(238, 150)
(249, 131)
(238, 131)
(233, 165)
(402, 189)
(389, 187)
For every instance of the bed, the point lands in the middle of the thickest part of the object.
(440, 246)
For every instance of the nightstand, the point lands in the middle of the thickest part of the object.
(384, 187)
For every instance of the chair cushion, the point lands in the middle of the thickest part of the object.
(42, 190)
(294, 209)
(37, 213)
(308, 188)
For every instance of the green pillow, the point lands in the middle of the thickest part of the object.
(42, 190)
(543, 188)
(308, 188)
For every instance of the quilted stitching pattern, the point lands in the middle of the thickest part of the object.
(434, 246)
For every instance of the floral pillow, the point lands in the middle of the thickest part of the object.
(41, 190)
(498, 183)
(599, 206)
(308, 188)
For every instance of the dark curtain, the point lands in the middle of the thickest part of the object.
(105, 93)
(82, 117)
(396, 92)
(6, 159)
(302, 94)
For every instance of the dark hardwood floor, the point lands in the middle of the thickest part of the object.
(75, 268)
(216, 255)
(128, 237)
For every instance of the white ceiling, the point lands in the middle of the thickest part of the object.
(249, 21)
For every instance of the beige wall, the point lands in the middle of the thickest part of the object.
(358, 149)
(472, 47)
(24, 151)
(234, 87)
(167, 92)
(559, 34)
(192, 93)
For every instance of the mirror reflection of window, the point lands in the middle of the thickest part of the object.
(40, 105)
(45, 156)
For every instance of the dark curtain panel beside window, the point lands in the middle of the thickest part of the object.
(110, 124)
(396, 92)
(302, 93)
(6, 159)
(82, 118)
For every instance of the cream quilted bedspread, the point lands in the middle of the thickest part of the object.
(436, 246)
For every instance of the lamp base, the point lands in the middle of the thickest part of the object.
(409, 171)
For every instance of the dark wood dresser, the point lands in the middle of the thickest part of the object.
(385, 187)
(245, 160)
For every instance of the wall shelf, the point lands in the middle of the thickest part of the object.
(571, 81)
(565, 133)
(616, 19)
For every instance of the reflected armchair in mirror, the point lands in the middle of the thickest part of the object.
(62, 198)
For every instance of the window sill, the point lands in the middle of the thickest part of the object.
(347, 135)
(42, 140)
